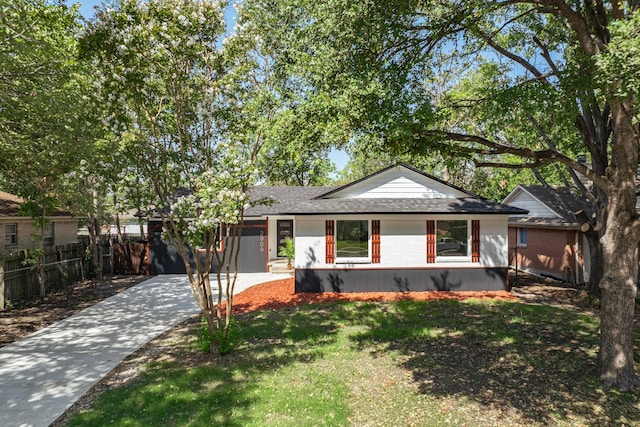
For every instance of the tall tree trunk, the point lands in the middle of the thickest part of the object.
(94, 236)
(619, 289)
(2, 287)
(619, 245)
(41, 278)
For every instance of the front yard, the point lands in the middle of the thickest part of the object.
(413, 363)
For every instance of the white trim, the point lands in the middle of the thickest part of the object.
(576, 255)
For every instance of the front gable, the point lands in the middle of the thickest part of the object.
(521, 198)
(397, 182)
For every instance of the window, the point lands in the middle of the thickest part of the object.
(450, 241)
(48, 235)
(452, 238)
(352, 239)
(10, 234)
(522, 236)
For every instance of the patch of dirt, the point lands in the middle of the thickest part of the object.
(532, 289)
(26, 318)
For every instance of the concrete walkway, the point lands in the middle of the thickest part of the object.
(45, 373)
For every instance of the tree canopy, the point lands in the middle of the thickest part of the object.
(516, 84)
(46, 125)
(191, 108)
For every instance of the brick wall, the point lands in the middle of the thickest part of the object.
(548, 252)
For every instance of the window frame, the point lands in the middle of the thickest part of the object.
(454, 258)
(14, 240)
(519, 235)
(352, 259)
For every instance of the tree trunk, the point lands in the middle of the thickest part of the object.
(94, 233)
(2, 292)
(619, 288)
(43, 289)
(619, 245)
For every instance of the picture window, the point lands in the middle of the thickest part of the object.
(452, 238)
(352, 239)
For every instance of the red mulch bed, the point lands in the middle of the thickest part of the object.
(280, 294)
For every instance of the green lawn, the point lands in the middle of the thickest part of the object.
(381, 364)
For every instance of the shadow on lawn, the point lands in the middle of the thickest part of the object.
(185, 386)
(536, 360)
(534, 363)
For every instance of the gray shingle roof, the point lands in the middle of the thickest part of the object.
(561, 200)
(284, 197)
(401, 206)
(10, 205)
(308, 201)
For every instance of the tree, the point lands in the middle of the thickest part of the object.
(189, 111)
(515, 84)
(46, 127)
(368, 155)
(295, 163)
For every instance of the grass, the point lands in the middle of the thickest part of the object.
(394, 364)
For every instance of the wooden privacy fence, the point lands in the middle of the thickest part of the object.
(131, 258)
(63, 265)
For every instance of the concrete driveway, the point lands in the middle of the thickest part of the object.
(45, 373)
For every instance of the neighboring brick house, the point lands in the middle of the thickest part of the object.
(548, 241)
(19, 231)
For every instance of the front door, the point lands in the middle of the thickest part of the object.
(285, 229)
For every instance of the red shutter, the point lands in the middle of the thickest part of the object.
(431, 241)
(475, 240)
(375, 241)
(330, 240)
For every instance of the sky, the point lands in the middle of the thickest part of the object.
(338, 157)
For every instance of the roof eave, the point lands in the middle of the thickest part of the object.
(395, 213)
(562, 225)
